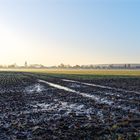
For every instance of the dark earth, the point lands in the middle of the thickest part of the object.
(38, 107)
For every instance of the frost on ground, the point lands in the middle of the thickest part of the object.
(62, 109)
(96, 98)
(67, 109)
(37, 88)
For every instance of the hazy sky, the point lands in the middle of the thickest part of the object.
(51, 32)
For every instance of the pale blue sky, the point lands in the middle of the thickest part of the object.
(70, 31)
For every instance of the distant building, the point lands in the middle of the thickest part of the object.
(26, 64)
(37, 66)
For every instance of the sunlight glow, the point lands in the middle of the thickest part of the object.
(70, 32)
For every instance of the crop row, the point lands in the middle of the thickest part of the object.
(13, 79)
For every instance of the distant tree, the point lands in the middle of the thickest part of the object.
(77, 66)
(129, 66)
(61, 65)
(12, 66)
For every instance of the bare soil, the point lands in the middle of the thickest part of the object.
(53, 108)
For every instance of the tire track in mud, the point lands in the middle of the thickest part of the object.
(101, 86)
(113, 103)
(119, 95)
(59, 107)
(96, 98)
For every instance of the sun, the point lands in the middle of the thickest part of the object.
(8, 42)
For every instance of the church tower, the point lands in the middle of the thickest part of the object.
(26, 65)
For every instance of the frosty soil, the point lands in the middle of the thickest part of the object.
(97, 98)
(56, 108)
